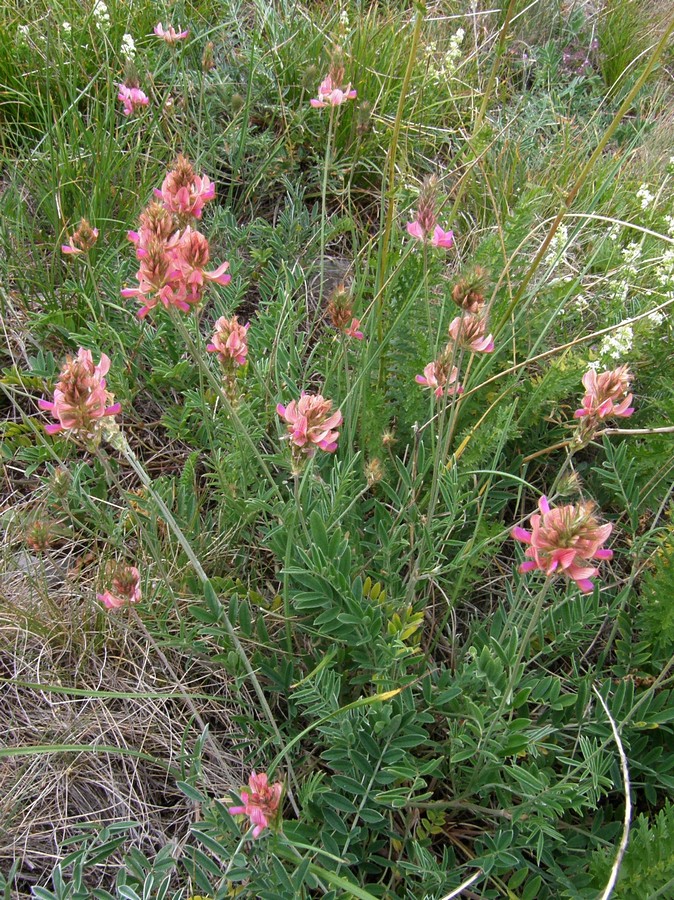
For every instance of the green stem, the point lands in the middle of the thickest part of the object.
(324, 209)
(388, 193)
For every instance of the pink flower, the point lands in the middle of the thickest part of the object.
(438, 238)
(468, 331)
(169, 35)
(564, 540)
(83, 239)
(442, 377)
(80, 398)
(353, 330)
(261, 804)
(311, 424)
(425, 226)
(607, 395)
(332, 93)
(183, 192)
(132, 98)
(125, 588)
(172, 268)
(230, 342)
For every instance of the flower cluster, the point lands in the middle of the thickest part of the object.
(564, 540)
(261, 803)
(169, 35)
(425, 226)
(173, 255)
(606, 395)
(230, 342)
(81, 400)
(467, 332)
(124, 588)
(443, 68)
(617, 344)
(311, 425)
(340, 313)
(645, 196)
(131, 96)
(183, 192)
(82, 240)
(128, 47)
(332, 90)
(100, 14)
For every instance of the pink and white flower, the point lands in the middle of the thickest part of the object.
(311, 424)
(353, 331)
(80, 398)
(441, 378)
(606, 395)
(469, 332)
(332, 93)
(125, 588)
(564, 540)
(261, 803)
(183, 192)
(230, 342)
(132, 98)
(82, 240)
(436, 238)
(170, 35)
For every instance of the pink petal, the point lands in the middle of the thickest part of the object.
(53, 429)
(415, 230)
(521, 534)
(543, 505)
(585, 585)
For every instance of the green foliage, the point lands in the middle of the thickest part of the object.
(647, 869)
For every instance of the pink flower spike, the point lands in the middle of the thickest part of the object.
(311, 425)
(606, 395)
(230, 342)
(442, 377)
(125, 588)
(81, 400)
(469, 332)
(83, 239)
(132, 98)
(564, 540)
(331, 92)
(183, 192)
(169, 35)
(261, 803)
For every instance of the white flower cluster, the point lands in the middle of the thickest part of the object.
(618, 343)
(101, 14)
(665, 271)
(656, 318)
(645, 196)
(557, 248)
(66, 27)
(127, 47)
(442, 69)
(631, 254)
(344, 19)
(22, 33)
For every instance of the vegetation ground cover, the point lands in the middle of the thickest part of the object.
(336, 443)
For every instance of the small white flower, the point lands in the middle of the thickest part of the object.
(127, 47)
(66, 27)
(581, 302)
(557, 247)
(101, 14)
(656, 318)
(670, 225)
(23, 32)
(344, 19)
(617, 344)
(631, 254)
(645, 196)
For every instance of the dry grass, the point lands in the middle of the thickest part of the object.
(52, 634)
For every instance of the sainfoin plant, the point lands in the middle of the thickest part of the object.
(337, 441)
